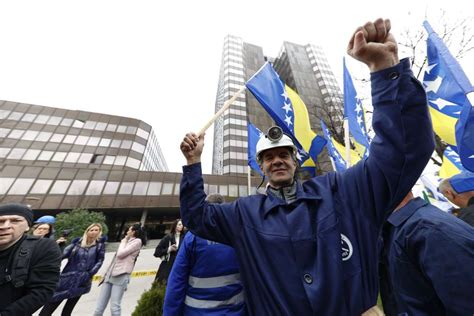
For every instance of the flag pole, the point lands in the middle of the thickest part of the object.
(347, 142)
(221, 110)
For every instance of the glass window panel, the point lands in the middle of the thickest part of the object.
(31, 154)
(223, 189)
(138, 147)
(5, 184)
(105, 142)
(111, 187)
(90, 124)
(120, 160)
(101, 126)
(142, 133)
(115, 143)
(126, 144)
(133, 163)
(176, 189)
(109, 160)
(56, 138)
(121, 128)
(154, 188)
(81, 140)
(69, 139)
(42, 119)
(30, 135)
(212, 188)
(167, 188)
(54, 120)
(85, 158)
(140, 188)
(111, 127)
(233, 190)
(60, 187)
(59, 156)
(72, 157)
(15, 116)
(4, 114)
(243, 190)
(126, 188)
(41, 187)
(46, 155)
(16, 153)
(66, 122)
(131, 130)
(16, 133)
(21, 186)
(78, 124)
(4, 152)
(77, 187)
(93, 141)
(43, 136)
(4, 132)
(95, 187)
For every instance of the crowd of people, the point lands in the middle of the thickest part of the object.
(328, 245)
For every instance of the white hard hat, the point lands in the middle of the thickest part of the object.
(274, 139)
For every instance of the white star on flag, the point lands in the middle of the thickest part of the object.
(429, 67)
(359, 120)
(358, 107)
(441, 103)
(433, 85)
(288, 120)
(284, 94)
(471, 156)
(287, 107)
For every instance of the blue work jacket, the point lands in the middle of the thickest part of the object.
(204, 280)
(427, 264)
(318, 255)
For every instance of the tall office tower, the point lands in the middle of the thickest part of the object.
(303, 68)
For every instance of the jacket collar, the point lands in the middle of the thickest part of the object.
(272, 201)
(400, 216)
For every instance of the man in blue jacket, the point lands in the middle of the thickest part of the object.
(205, 278)
(427, 261)
(311, 248)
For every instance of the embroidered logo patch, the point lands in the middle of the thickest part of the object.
(346, 248)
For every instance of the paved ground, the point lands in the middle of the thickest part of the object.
(137, 286)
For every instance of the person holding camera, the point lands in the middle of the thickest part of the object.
(310, 248)
(117, 276)
(85, 257)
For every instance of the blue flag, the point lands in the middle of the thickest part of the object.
(288, 111)
(254, 135)
(447, 88)
(354, 112)
(339, 162)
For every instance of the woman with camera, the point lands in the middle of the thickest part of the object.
(118, 273)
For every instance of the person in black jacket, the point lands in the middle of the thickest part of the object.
(167, 250)
(29, 266)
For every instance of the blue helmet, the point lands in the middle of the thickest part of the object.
(48, 219)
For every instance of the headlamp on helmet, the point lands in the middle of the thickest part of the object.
(273, 139)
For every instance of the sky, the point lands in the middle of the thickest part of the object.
(158, 61)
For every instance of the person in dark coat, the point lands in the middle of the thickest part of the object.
(24, 294)
(167, 250)
(85, 257)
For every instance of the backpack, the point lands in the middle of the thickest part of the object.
(19, 268)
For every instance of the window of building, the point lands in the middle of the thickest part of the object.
(167, 188)
(105, 142)
(233, 190)
(78, 123)
(154, 188)
(42, 119)
(46, 155)
(41, 186)
(133, 163)
(141, 188)
(109, 160)
(43, 136)
(60, 187)
(111, 187)
(121, 128)
(93, 141)
(29, 135)
(95, 187)
(16, 153)
(126, 188)
(69, 139)
(16, 133)
(101, 126)
(31, 154)
(77, 187)
(120, 160)
(15, 116)
(56, 138)
(4, 132)
(85, 158)
(21, 186)
(72, 157)
(81, 140)
(4, 114)
(66, 122)
(54, 120)
(111, 127)
(4, 152)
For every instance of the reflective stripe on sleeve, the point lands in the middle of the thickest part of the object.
(196, 303)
